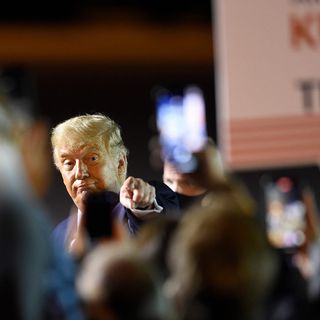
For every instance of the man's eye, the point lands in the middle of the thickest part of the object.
(93, 159)
(68, 164)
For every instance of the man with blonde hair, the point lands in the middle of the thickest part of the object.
(90, 154)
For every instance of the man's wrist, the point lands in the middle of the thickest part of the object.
(155, 209)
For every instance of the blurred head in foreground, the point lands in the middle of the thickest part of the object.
(115, 283)
(25, 131)
(221, 263)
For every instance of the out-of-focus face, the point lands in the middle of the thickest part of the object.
(35, 152)
(180, 182)
(87, 167)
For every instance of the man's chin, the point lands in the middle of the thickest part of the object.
(82, 198)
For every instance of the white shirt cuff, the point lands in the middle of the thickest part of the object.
(143, 213)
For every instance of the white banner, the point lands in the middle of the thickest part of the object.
(268, 82)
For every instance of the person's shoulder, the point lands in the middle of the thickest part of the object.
(59, 232)
(160, 186)
(166, 197)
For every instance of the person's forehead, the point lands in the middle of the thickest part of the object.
(79, 148)
(171, 173)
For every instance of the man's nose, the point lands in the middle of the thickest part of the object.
(81, 170)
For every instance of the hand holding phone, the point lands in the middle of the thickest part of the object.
(98, 214)
(285, 212)
(181, 122)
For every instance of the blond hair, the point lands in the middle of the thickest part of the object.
(96, 128)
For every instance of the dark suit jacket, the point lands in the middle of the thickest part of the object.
(166, 198)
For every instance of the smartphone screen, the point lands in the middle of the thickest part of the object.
(285, 212)
(195, 119)
(98, 214)
(181, 123)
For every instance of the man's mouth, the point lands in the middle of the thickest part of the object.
(84, 188)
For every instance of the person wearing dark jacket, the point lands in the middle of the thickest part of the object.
(90, 154)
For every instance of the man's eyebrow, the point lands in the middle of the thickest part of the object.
(64, 155)
(93, 150)
(89, 150)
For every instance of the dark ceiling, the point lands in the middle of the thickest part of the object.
(62, 10)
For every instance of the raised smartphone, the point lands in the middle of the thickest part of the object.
(285, 212)
(98, 214)
(181, 122)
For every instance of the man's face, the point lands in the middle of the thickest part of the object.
(180, 182)
(87, 168)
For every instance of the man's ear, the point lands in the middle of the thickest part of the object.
(122, 167)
